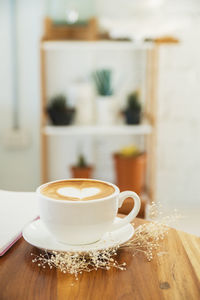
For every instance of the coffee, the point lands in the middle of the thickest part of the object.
(77, 190)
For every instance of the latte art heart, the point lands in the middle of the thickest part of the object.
(78, 193)
(77, 190)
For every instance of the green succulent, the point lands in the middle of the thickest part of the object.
(103, 82)
(133, 102)
(81, 162)
(58, 102)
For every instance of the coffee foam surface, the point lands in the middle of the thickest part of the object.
(77, 190)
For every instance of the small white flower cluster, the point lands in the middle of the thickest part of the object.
(76, 263)
(147, 238)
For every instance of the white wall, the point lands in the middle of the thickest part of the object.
(179, 122)
(19, 170)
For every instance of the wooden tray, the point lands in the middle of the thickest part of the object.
(87, 31)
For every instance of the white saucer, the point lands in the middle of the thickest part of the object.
(36, 234)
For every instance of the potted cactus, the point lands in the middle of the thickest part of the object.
(58, 111)
(81, 169)
(133, 110)
(130, 168)
(106, 102)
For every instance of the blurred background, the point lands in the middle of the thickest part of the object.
(103, 89)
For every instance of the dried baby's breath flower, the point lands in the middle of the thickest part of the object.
(76, 263)
(146, 239)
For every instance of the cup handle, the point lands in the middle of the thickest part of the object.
(129, 218)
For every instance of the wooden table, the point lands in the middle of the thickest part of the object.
(173, 276)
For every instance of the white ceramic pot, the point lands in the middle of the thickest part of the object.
(106, 110)
(85, 104)
(81, 95)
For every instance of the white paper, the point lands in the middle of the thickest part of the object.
(16, 210)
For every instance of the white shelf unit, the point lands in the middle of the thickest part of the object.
(95, 45)
(143, 129)
(146, 129)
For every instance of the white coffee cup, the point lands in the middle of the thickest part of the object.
(85, 222)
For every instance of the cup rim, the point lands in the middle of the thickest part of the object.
(116, 192)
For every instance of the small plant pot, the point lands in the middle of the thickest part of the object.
(61, 117)
(132, 117)
(106, 110)
(78, 172)
(130, 172)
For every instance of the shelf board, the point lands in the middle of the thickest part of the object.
(95, 45)
(142, 129)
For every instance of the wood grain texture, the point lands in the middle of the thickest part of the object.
(172, 276)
